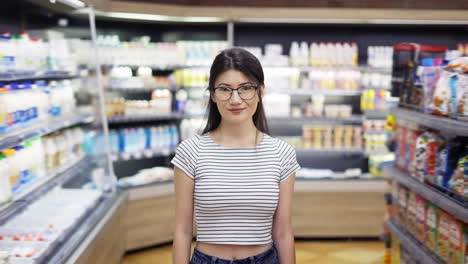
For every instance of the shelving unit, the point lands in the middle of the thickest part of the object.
(419, 251)
(146, 154)
(442, 200)
(17, 76)
(354, 119)
(40, 186)
(40, 128)
(432, 121)
(139, 119)
(309, 92)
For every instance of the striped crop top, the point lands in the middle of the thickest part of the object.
(236, 190)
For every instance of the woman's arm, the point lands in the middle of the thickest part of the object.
(183, 232)
(283, 236)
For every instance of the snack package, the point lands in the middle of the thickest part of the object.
(411, 214)
(456, 239)
(432, 231)
(443, 245)
(402, 213)
(418, 168)
(447, 160)
(462, 98)
(441, 99)
(429, 75)
(458, 183)
(435, 144)
(421, 208)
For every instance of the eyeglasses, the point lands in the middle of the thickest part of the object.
(246, 92)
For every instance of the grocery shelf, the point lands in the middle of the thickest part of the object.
(138, 90)
(442, 200)
(20, 76)
(376, 114)
(417, 249)
(436, 122)
(39, 128)
(36, 188)
(310, 92)
(319, 119)
(149, 118)
(145, 154)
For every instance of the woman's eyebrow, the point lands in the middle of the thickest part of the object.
(224, 84)
(245, 83)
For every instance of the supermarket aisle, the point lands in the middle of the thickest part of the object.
(306, 253)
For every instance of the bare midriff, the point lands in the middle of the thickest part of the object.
(231, 252)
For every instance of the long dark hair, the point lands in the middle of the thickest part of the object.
(240, 60)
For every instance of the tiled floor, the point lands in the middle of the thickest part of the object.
(354, 252)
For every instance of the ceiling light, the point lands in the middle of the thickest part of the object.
(72, 3)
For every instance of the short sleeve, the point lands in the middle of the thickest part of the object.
(288, 161)
(186, 157)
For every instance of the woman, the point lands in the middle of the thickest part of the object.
(237, 179)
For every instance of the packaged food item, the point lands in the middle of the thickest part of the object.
(435, 144)
(457, 243)
(432, 229)
(411, 214)
(406, 257)
(443, 245)
(421, 213)
(429, 75)
(458, 183)
(441, 99)
(401, 145)
(418, 167)
(462, 98)
(402, 213)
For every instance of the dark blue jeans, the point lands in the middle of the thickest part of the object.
(270, 256)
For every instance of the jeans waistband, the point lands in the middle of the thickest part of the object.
(253, 259)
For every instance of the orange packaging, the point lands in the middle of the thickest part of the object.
(421, 206)
(457, 242)
(432, 231)
(411, 213)
(402, 204)
(443, 245)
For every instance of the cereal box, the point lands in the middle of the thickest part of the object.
(435, 144)
(411, 213)
(456, 241)
(432, 232)
(402, 204)
(443, 245)
(421, 205)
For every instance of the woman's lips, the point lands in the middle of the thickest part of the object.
(236, 111)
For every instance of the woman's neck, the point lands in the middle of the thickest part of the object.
(235, 135)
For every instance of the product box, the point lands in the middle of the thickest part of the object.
(402, 204)
(457, 243)
(411, 214)
(401, 146)
(435, 145)
(458, 183)
(432, 232)
(421, 227)
(443, 245)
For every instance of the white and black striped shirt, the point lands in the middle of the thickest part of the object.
(236, 189)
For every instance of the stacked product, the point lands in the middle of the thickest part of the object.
(437, 230)
(192, 78)
(375, 99)
(327, 137)
(142, 52)
(147, 176)
(433, 158)
(25, 102)
(323, 54)
(121, 78)
(375, 137)
(22, 55)
(30, 235)
(160, 103)
(380, 57)
(137, 141)
(36, 157)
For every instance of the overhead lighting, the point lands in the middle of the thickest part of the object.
(301, 20)
(72, 3)
(417, 22)
(151, 17)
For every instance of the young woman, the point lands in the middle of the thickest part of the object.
(237, 179)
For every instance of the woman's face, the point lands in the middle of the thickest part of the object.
(239, 106)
